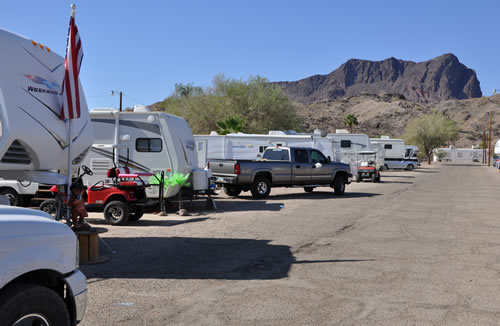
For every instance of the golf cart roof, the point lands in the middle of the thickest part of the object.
(367, 152)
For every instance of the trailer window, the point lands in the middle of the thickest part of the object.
(148, 144)
(277, 154)
(346, 143)
(387, 146)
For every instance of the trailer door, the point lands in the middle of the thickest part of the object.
(201, 151)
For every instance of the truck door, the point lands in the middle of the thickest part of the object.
(321, 171)
(301, 167)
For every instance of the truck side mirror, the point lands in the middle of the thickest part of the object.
(329, 159)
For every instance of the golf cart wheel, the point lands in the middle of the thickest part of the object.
(137, 214)
(261, 187)
(410, 167)
(377, 179)
(308, 189)
(116, 213)
(374, 177)
(14, 198)
(358, 178)
(232, 191)
(29, 304)
(339, 185)
(49, 206)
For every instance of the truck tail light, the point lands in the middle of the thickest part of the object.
(237, 169)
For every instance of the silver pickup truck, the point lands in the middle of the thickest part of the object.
(280, 167)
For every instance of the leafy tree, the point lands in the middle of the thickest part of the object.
(350, 121)
(431, 131)
(262, 106)
(230, 125)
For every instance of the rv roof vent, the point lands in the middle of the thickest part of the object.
(317, 131)
(214, 133)
(341, 131)
(276, 132)
(385, 137)
(141, 108)
(16, 154)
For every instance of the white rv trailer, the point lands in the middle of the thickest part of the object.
(346, 146)
(464, 155)
(146, 142)
(394, 148)
(33, 139)
(249, 146)
(497, 147)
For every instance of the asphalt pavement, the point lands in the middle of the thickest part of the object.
(418, 248)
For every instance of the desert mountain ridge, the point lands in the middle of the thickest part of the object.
(435, 80)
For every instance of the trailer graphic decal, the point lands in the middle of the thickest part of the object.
(151, 127)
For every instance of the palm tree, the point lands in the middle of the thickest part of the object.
(230, 125)
(350, 121)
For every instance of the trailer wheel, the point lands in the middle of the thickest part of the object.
(27, 304)
(308, 189)
(137, 214)
(261, 187)
(339, 185)
(116, 213)
(410, 167)
(14, 198)
(358, 178)
(232, 191)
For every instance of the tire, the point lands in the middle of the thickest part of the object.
(29, 304)
(232, 191)
(374, 177)
(308, 189)
(137, 214)
(116, 213)
(358, 178)
(50, 207)
(410, 167)
(14, 198)
(261, 187)
(339, 185)
(386, 167)
(377, 179)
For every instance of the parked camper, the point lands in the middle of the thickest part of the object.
(144, 141)
(394, 148)
(497, 147)
(452, 154)
(346, 147)
(242, 146)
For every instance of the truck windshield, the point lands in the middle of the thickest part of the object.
(276, 154)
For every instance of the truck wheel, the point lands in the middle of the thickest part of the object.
(308, 189)
(339, 185)
(49, 206)
(14, 198)
(261, 187)
(358, 178)
(410, 167)
(28, 304)
(232, 191)
(137, 214)
(116, 213)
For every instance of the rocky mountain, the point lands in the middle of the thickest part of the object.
(389, 114)
(435, 80)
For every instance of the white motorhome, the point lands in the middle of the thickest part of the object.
(249, 146)
(451, 154)
(394, 148)
(40, 282)
(146, 142)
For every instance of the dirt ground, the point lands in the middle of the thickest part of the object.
(419, 248)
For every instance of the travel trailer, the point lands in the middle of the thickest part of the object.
(394, 148)
(242, 146)
(33, 138)
(346, 147)
(144, 141)
(452, 154)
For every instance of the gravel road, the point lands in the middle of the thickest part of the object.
(419, 248)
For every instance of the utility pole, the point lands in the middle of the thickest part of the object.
(484, 145)
(489, 143)
(121, 94)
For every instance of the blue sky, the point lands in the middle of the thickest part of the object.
(144, 47)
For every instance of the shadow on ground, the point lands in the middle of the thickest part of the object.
(196, 258)
(313, 195)
(144, 222)
(397, 176)
(408, 182)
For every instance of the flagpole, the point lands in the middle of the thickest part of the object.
(68, 208)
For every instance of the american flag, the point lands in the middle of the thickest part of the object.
(72, 62)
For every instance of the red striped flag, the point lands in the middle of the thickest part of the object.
(72, 62)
